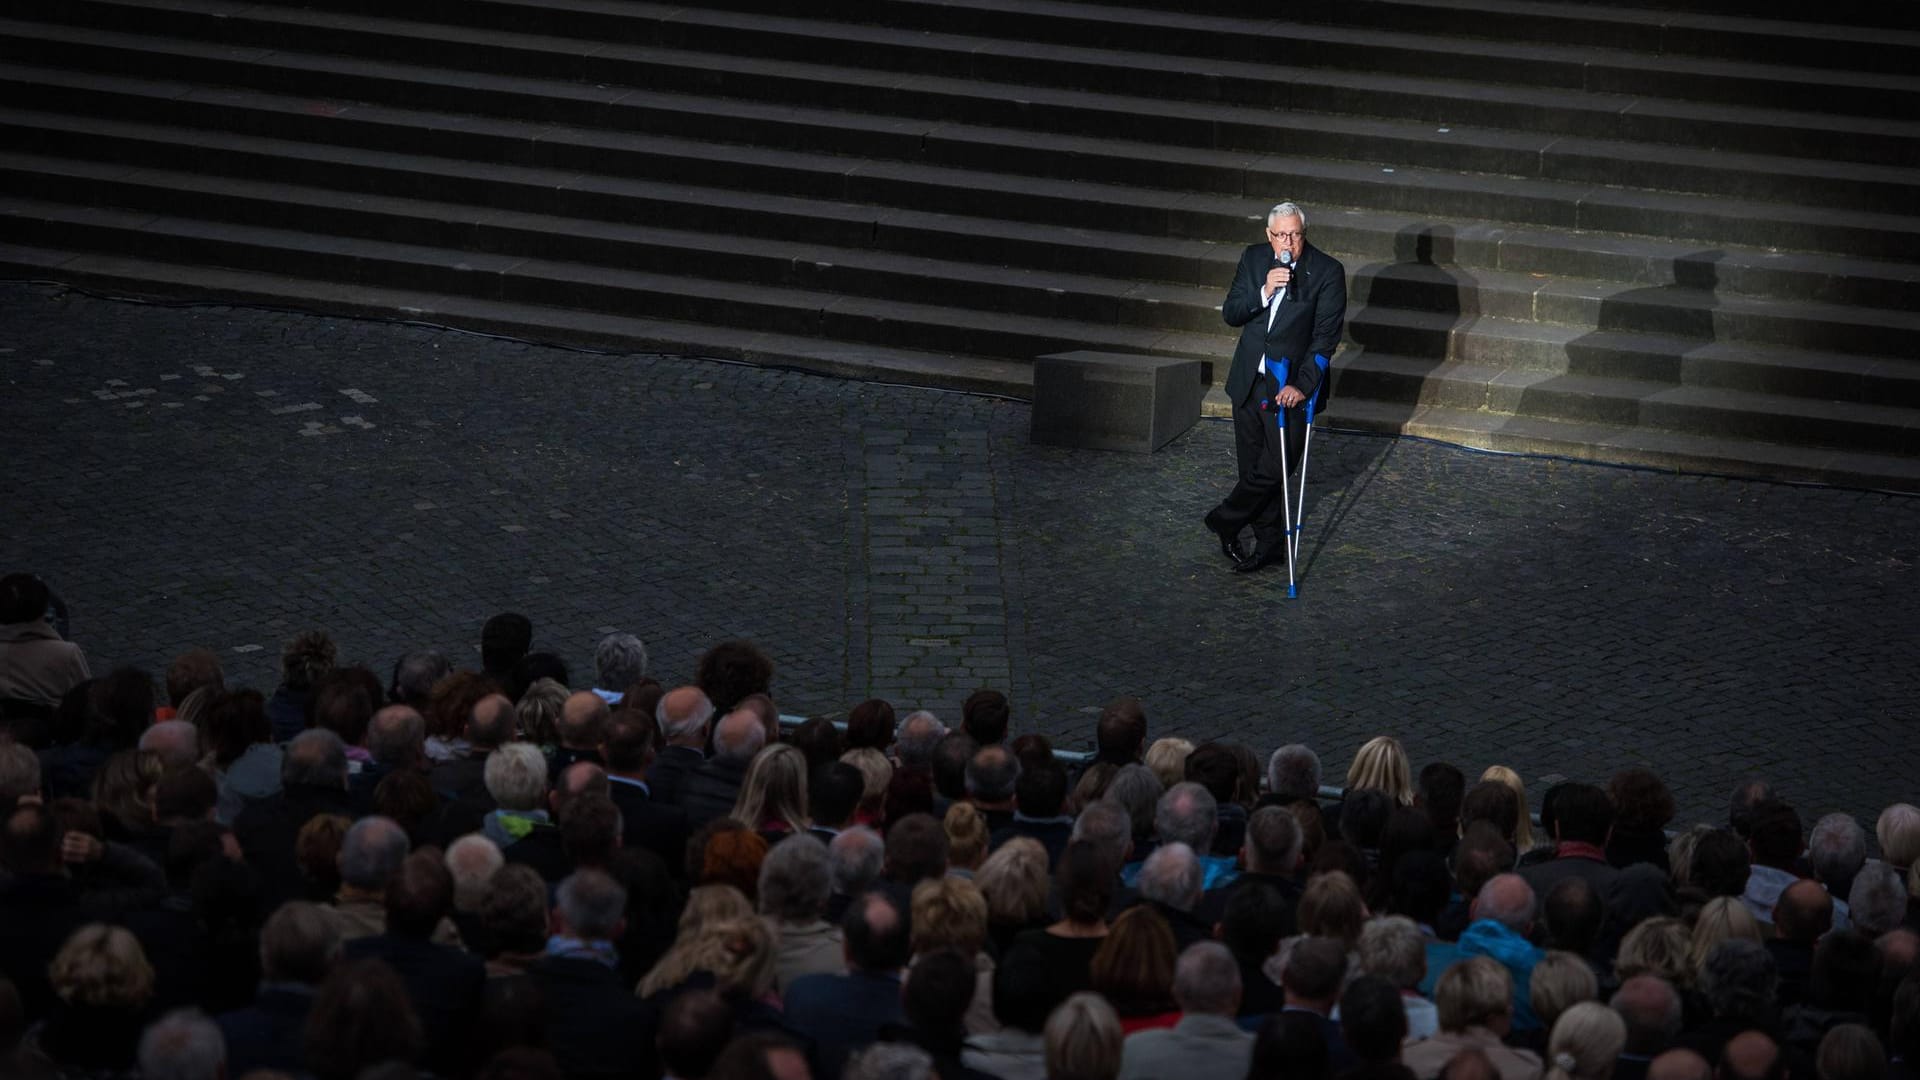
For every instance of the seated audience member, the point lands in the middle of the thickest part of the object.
(919, 734)
(1585, 1043)
(1187, 814)
(992, 778)
(1137, 791)
(1216, 767)
(833, 798)
(1167, 757)
(619, 661)
(1171, 881)
(870, 724)
(1774, 843)
(1836, 850)
(951, 756)
(1719, 866)
(773, 795)
(483, 720)
(298, 946)
(1084, 1040)
(916, 852)
(248, 766)
(733, 671)
(1381, 764)
(1574, 914)
(595, 1025)
(1851, 1052)
(513, 921)
(103, 986)
(1475, 1002)
(37, 665)
(175, 742)
(361, 1018)
(1582, 822)
(1022, 1001)
(856, 856)
(1801, 917)
(183, 1045)
(1652, 1011)
(444, 982)
(1086, 887)
(650, 824)
(1642, 807)
(695, 1029)
(581, 728)
(1314, 971)
(843, 1013)
(1270, 855)
(1721, 919)
(1205, 1041)
(1439, 790)
(1014, 881)
(1040, 796)
(1561, 980)
(1374, 1027)
(967, 839)
(370, 856)
(1392, 948)
(796, 881)
(1120, 735)
(949, 914)
(1133, 969)
(1841, 990)
(1250, 929)
(1290, 1044)
(522, 825)
(1502, 915)
(473, 860)
(684, 716)
(1738, 985)
(1877, 903)
(710, 791)
(936, 1000)
(876, 775)
(985, 716)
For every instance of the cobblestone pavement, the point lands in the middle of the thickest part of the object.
(220, 477)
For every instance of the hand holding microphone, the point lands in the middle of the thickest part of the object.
(1281, 272)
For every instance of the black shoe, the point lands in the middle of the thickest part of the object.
(1229, 542)
(1261, 558)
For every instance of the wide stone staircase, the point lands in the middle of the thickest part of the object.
(1685, 235)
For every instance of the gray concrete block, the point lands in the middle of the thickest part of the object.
(1112, 401)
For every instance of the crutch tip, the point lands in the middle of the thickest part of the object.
(1293, 593)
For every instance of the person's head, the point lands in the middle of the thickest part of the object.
(1331, 906)
(23, 598)
(1364, 816)
(967, 836)
(1372, 1019)
(1292, 1044)
(1877, 902)
(1494, 805)
(948, 913)
(1105, 825)
(298, 944)
(1382, 763)
(504, 640)
(1584, 1042)
(1523, 826)
(306, 659)
(590, 905)
(1560, 981)
(183, 1045)
(513, 911)
(419, 895)
(1738, 981)
(1846, 972)
(1315, 969)
(1086, 881)
(1574, 913)
(1014, 881)
(694, 1029)
(916, 849)
(951, 756)
(684, 714)
(1898, 830)
(1214, 766)
(939, 991)
(992, 775)
(1083, 1039)
(870, 724)
(876, 772)
(1252, 922)
(1658, 946)
(538, 711)
(774, 789)
(727, 853)
(1173, 876)
(1747, 794)
(1041, 791)
(343, 702)
(1652, 1011)
(1133, 967)
(1803, 913)
(1439, 789)
(1393, 948)
(1774, 835)
(1752, 1055)
(1508, 900)
(472, 860)
(396, 736)
(984, 716)
(1287, 230)
(591, 830)
(1206, 980)
(1641, 801)
(731, 671)
(175, 742)
(796, 880)
(763, 709)
(1120, 735)
(372, 852)
(1850, 1052)
(1836, 849)
(1679, 1063)
(123, 787)
(876, 934)
(1167, 757)
(619, 661)
(1137, 790)
(1475, 992)
(102, 967)
(628, 747)
(185, 794)
(583, 720)
(516, 777)
(1187, 814)
(855, 857)
(1420, 888)
(361, 1017)
(1582, 814)
(916, 739)
(415, 674)
(738, 736)
(1293, 773)
(1721, 919)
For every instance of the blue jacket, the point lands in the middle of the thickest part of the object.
(1485, 937)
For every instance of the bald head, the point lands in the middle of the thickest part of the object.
(1652, 1010)
(1679, 1064)
(1751, 1055)
(1803, 912)
(583, 720)
(1508, 900)
(577, 779)
(683, 714)
(397, 736)
(176, 741)
(739, 736)
(492, 722)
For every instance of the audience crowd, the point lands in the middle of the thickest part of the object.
(490, 873)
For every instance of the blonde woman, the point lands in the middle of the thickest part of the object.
(1083, 1039)
(1015, 882)
(739, 953)
(1585, 1043)
(1560, 981)
(967, 839)
(773, 795)
(104, 984)
(1722, 919)
(950, 913)
(876, 772)
(1657, 946)
(1168, 760)
(1523, 832)
(1382, 763)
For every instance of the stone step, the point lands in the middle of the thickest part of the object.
(807, 57)
(1587, 399)
(511, 278)
(1628, 445)
(964, 153)
(975, 125)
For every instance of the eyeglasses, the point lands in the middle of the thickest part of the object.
(1286, 235)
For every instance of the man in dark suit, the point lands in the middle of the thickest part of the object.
(843, 1013)
(1289, 300)
(709, 792)
(313, 778)
(298, 946)
(628, 751)
(683, 715)
(445, 983)
(595, 1025)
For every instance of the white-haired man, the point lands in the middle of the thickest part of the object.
(1289, 300)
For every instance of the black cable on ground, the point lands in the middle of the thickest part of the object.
(793, 369)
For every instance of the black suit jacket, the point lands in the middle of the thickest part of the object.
(270, 1033)
(1309, 319)
(595, 1026)
(657, 827)
(669, 773)
(445, 984)
(711, 791)
(268, 828)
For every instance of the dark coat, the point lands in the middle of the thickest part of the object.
(445, 985)
(1309, 320)
(842, 1014)
(268, 828)
(37, 913)
(595, 1026)
(654, 826)
(461, 778)
(711, 790)
(669, 772)
(270, 1033)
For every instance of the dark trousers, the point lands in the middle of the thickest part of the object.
(1255, 498)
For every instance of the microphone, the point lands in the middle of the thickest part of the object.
(1285, 258)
